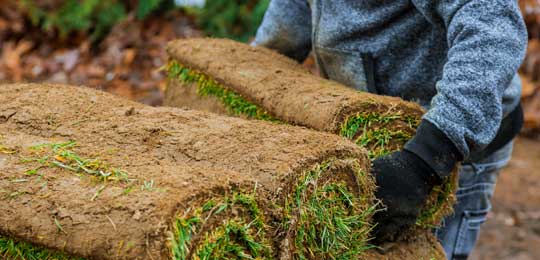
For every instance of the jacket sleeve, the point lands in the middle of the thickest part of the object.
(487, 41)
(286, 28)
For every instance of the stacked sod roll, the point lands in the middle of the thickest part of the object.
(98, 177)
(223, 76)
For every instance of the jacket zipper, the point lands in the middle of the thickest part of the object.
(369, 72)
(314, 37)
(367, 59)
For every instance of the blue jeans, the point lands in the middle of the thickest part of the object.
(459, 231)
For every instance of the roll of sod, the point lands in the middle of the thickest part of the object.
(99, 177)
(224, 76)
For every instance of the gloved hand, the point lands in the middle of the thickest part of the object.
(406, 178)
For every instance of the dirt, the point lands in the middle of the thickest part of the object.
(280, 85)
(187, 97)
(185, 152)
(424, 246)
(512, 230)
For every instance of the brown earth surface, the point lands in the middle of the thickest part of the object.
(512, 230)
(424, 246)
(186, 154)
(184, 96)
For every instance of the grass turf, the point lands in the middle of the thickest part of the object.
(206, 86)
(240, 232)
(371, 130)
(11, 249)
(63, 156)
(374, 132)
(329, 220)
(358, 128)
(440, 205)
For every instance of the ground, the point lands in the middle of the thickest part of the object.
(127, 62)
(512, 230)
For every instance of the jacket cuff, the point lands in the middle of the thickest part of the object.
(435, 149)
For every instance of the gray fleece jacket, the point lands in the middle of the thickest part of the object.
(457, 58)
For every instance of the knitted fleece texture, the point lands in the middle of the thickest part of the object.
(457, 58)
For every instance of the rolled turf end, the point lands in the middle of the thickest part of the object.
(326, 218)
(326, 214)
(375, 132)
(228, 227)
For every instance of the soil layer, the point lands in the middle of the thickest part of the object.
(187, 97)
(424, 246)
(101, 177)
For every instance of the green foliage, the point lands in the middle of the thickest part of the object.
(234, 19)
(12, 249)
(94, 17)
(185, 229)
(206, 86)
(145, 7)
(233, 240)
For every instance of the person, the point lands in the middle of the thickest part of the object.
(457, 58)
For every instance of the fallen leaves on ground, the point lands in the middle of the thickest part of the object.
(126, 62)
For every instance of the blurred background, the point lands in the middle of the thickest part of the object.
(119, 46)
(114, 45)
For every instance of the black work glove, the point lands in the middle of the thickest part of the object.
(406, 178)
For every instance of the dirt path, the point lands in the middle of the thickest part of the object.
(512, 230)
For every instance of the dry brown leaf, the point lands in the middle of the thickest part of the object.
(129, 56)
(528, 87)
(11, 57)
(94, 70)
